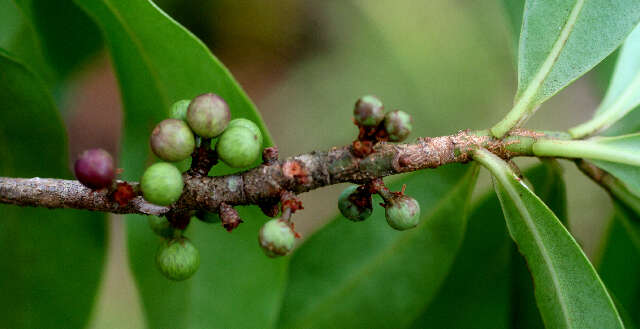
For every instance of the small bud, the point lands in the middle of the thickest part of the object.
(270, 155)
(177, 259)
(162, 184)
(208, 115)
(172, 140)
(162, 227)
(179, 109)
(94, 169)
(229, 217)
(368, 111)
(238, 147)
(276, 238)
(402, 212)
(242, 122)
(207, 217)
(355, 204)
(398, 125)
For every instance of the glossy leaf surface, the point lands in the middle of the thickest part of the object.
(52, 259)
(568, 292)
(560, 41)
(363, 275)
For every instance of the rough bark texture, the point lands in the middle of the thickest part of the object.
(264, 184)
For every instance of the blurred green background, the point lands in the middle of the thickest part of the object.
(304, 63)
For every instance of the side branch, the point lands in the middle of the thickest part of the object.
(265, 183)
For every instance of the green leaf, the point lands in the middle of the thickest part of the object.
(488, 269)
(52, 259)
(560, 41)
(623, 94)
(619, 265)
(548, 184)
(65, 38)
(481, 272)
(568, 292)
(364, 275)
(159, 62)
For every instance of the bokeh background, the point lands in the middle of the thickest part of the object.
(304, 63)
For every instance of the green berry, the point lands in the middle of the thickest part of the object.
(276, 238)
(172, 140)
(161, 227)
(208, 115)
(177, 259)
(238, 147)
(162, 184)
(398, 125)
(207, 217)
(355, 205)
(179, 109)
(368, 111)
(402, 212)
(242, 122)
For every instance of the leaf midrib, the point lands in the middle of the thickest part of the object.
(515, 197)
(372, 263)
(527, 98)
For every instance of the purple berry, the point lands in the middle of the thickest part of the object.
(94, 169)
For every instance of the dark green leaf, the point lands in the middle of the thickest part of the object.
(158, 62)
(568, 291)
(480, 272)
(52, 260)
(488, 269)
(365, 275)
(560, 41)
(619, 264)
(548, 184)
(66, 35)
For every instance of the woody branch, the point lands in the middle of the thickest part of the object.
(265, 183)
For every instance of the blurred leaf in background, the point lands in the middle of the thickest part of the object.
(53, 260)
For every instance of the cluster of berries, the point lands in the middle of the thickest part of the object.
(207, 116)
(355, 203)
(238, 143)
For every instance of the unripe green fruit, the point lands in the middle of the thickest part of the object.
(242, 122)
(179, 109)
(276, 238)
(208, 115)
(368, 111)
(207, 217)
(177, 259)
(398, 125)
(354, 205)
(402, 212)
(162, 227)
(172, 140)
(238, 147)
(162, 184)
